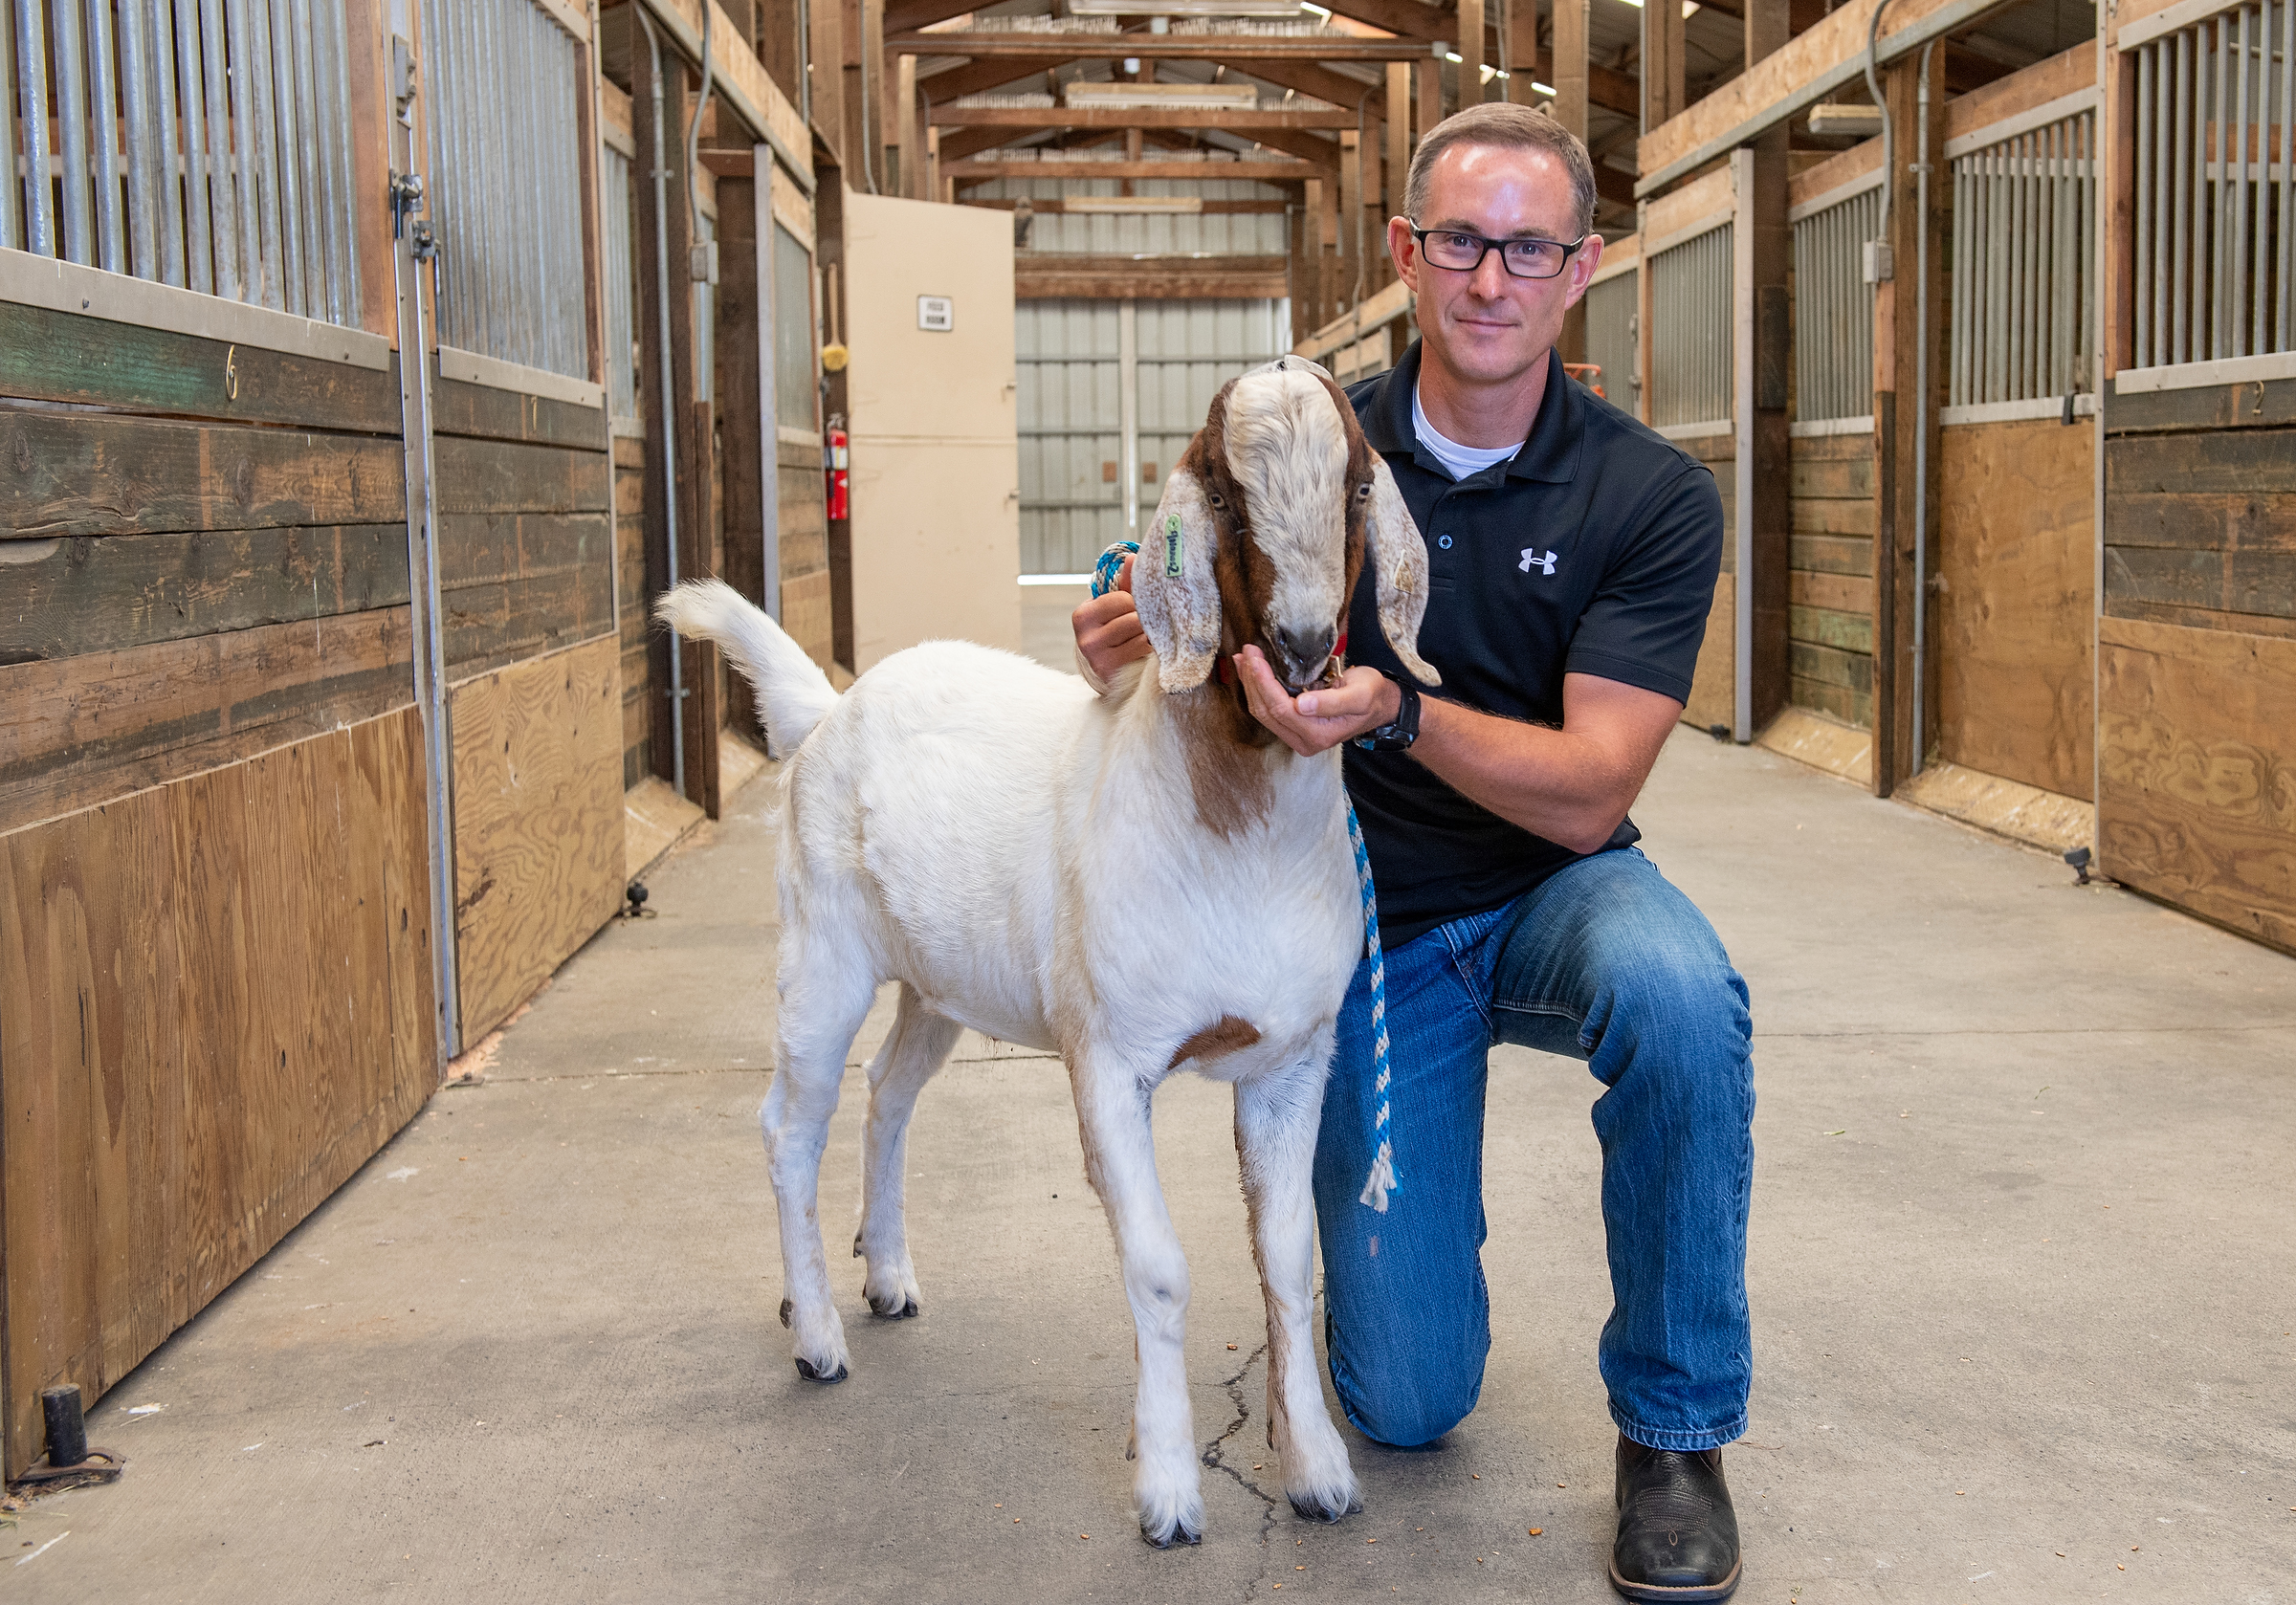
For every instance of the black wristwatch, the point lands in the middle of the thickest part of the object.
(1400, 732)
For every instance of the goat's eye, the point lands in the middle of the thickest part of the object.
(1214, 498)
(1365, 489)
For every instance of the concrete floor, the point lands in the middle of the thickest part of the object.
(2023, 1280)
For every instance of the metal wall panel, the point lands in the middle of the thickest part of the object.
(2023, 266)
(1833, 310)
(1691, 352)
(505, 187)
(1072, 407)
(621, 285)
(1070, 427)
(202, 144)
(1611, 333)
(2214, 242)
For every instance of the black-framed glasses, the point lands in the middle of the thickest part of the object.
(1522, 259)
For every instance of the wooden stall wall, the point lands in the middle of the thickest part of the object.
(216, 980)
(526, 554)
(1830, 625)
(2014, 600)
(1714, 684)
(635, 626)
(2197, 677)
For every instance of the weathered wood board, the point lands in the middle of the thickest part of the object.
(633, 612)
(94, 362)
(75, 731)
(215, 1003)
(538, 822)
(66, 474)
(2016, 563)
(2198, 802)
(1830, 622)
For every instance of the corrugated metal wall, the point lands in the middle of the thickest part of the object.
(1610, 336)
(1690, 351)
(1072, 418)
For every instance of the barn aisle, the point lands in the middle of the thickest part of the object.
(2020, 1274)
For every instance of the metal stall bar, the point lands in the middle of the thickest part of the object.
(2284, 336)
(72, 130)
(111, 227)
(141, 119)
(2147, 250)
(175, 176)
(10, 188)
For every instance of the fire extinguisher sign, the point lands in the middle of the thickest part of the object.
(937, 314)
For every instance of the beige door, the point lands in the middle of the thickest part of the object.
(936, 457)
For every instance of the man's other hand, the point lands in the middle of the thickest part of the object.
(1316, 721)
(1108, 628)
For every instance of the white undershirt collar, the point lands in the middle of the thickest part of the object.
(1461, 461)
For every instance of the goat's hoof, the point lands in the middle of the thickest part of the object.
(786, 1306)
(1180, 1532)
(806, 1369)
(1315, 1507)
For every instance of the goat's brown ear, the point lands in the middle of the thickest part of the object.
(1399, 559)
(1174, 587)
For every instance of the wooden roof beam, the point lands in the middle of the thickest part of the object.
(1054, 49)
(1270, 171)
(1246, 125)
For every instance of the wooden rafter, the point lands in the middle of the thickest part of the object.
(1248, 124)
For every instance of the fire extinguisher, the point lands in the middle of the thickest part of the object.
(840, 469)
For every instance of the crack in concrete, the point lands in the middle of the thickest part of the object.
(1215, 1456)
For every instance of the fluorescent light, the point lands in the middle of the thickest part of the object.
(1547, 89)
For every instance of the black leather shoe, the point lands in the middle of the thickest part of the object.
(1678, 1536)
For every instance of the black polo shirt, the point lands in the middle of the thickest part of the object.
(1592, 551)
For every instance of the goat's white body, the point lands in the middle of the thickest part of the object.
(1027, 860)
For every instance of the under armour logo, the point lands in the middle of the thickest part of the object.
(1531, 558)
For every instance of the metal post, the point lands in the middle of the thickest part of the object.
(1128, 412)
(1921, 389)
(667, 422)
(408, 272)
(1740, 399)
(770, 423)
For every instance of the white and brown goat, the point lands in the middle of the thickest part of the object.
(1145, 882)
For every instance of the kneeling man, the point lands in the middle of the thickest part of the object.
(1574, 553)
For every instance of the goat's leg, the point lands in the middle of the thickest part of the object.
(1120, 1159)
(1276, 1121)
(919, 1043)
(821, 1010)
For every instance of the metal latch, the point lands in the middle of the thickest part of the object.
(407, 199)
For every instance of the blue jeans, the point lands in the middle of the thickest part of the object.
(1606, 962)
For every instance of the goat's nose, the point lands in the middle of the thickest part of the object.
(1307, 648)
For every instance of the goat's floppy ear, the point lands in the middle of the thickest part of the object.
(1173, 585)
(1399, 559)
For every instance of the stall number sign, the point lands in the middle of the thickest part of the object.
(937, 314)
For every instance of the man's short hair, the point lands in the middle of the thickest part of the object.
(1503, 122)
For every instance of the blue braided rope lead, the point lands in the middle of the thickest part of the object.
(1382, 1180)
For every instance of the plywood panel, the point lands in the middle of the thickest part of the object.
(214, 1004)
(1714, 684)
(2011, 615)
(2199, 781)
(84, 729)
(538, 822)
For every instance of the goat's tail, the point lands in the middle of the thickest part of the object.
(793, 693)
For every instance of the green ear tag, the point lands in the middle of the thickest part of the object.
(1172, 548)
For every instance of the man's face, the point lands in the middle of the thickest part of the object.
(1486, 327)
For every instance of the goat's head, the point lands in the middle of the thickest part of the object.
(1264, 527)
